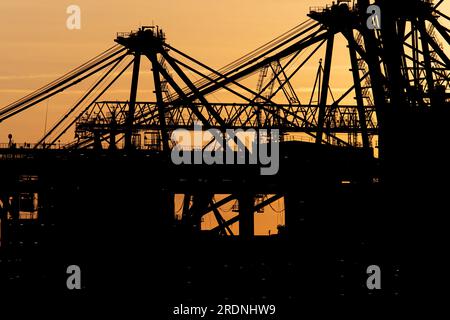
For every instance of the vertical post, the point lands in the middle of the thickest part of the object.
(200, 201)
(112, 134)
(373, 61)
(132, 103)
(324, 91)
(392, 44)
(415, 41)
(359, 96)
(97, 141)
(186, 206)
(159, 99)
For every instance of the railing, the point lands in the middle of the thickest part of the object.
(26, 146)
(156, 32)
(125, 34)
(319, 9)
(298, 139)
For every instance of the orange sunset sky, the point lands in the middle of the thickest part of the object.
(37, 47)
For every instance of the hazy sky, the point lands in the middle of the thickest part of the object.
(37, 47)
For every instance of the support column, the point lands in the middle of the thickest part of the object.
(359, 95)
(159, 99)
(325, 85)
(112, 134)
(132, 103)
(376, 78)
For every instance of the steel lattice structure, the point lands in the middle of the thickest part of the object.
(378, 80)
(402, 65)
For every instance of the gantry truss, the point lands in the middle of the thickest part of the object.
(403, 63)
(401, 66)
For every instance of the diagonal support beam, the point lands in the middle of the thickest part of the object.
(426, 57)
(325, 85)
(255, 209)
(159, 99)
(221, 221)
(133, 95)
(359, 96)
(218, 204)
(193, 88)
(180, 92)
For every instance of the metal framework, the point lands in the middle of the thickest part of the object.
(402, 65)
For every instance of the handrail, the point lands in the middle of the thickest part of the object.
(22, 146)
